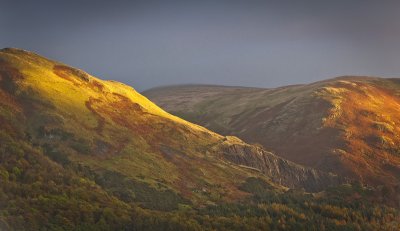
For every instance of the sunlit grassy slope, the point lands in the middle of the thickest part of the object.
(118, 129)
(80, 153)
(108, 126)
(347, 125)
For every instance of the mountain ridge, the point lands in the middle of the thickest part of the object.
(105, 105)
(301, 119)
(79, 153)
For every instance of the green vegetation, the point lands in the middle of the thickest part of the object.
(103, 157)
(38, 194)
(129, 190)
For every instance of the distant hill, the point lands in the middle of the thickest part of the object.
(347, 125)
(80, 153)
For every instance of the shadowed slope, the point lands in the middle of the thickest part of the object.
(79, 153)
(346, 125)
(109, 126)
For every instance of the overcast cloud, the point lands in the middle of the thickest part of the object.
(249, 43)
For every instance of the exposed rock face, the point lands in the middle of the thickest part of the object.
(346, 125)
(280, 170)
(106, 125)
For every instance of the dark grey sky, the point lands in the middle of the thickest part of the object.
(250, 43)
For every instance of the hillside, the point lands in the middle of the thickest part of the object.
(346, 125)
(80, 153)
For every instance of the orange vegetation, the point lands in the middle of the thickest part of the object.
(369, 115)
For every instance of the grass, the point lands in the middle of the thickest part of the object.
(76, 110)
(357, 115)
(81, 153)
(367, 113)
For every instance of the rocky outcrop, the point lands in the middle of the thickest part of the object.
(279, 170)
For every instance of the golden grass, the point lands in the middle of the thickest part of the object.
(134, 127)
(367, 114)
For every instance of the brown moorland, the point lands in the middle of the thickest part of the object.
(347, 125)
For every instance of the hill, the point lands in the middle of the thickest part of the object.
(80, 153)
(346, 125)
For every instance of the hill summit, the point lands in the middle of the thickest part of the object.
(82, 153)
(346, 125)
